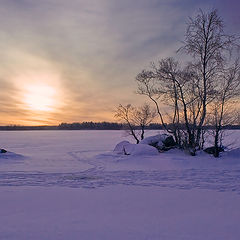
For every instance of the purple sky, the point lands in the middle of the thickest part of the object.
(76, 60)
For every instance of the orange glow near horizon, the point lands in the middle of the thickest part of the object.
(40, 97)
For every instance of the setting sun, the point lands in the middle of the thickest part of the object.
(40, 97)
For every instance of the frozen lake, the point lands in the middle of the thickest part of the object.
(70, 185)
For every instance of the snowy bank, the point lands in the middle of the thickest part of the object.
(10, 155)
(160, 141)
(126, 148)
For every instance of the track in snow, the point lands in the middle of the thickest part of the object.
(220, 180)
(97, 176)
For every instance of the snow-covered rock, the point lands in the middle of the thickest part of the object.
(2, 150)
(143, 149)
(153, 140)
(127, 148)
(160, 141)
(120, 147)
(211, 150)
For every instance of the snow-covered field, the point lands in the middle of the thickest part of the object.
(67, 185)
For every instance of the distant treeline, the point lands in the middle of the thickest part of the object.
(92, 126)
(102, 126)
(26, 128)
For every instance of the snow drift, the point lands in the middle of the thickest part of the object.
(160, 141)
(127, 148)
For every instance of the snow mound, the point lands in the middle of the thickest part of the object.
(120, 147)
(152, 140)
(141, 149)
(160, 141)
(10, 155)
(126, 148)
(235, 153)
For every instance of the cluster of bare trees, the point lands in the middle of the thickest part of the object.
(204, 91)
(136, 119)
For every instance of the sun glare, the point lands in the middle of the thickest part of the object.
(40, 97)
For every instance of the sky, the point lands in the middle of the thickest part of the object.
(76, 60)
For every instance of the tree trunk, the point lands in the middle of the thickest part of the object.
(142, 133)
(216, 141)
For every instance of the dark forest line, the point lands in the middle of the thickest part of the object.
(93, 126)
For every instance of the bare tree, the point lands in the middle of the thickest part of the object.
(222, 108)
(188, 91)
(207, 43)
(166, 83)
(136, 119)
(143, 116)
(159, 85)
(125, 114)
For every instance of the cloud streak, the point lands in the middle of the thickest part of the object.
(95, 48)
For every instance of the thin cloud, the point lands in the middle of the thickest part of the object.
(95, 47)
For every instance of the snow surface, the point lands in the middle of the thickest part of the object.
(127, 148)
(154, 139)
(72, 185)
